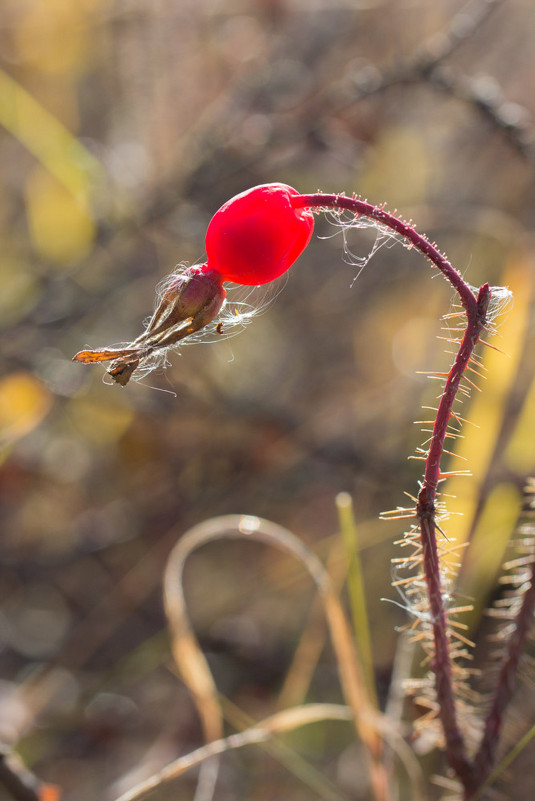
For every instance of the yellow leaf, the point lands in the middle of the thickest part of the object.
(24, 401)
(61, 224)
(100, 423)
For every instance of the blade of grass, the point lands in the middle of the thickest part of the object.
(505, 762)
(47, 138)
(281, 722)
(357, 595)
(289, 757)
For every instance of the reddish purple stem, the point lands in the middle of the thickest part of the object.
(476, 311)
(425, 509)
(505, 686)
(365, 209)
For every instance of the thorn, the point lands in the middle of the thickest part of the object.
(471, 383)
(406, 581)
(462, 639)
(472, 370)
(456, 429)
(488, 345)
(453, 314)
(398, 514)
(458, 610)
(464, 420)
(453, 547)
(465, 391)
(455, 474)
(475, 359)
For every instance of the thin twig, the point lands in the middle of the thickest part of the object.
(427, 67)
(20, 782)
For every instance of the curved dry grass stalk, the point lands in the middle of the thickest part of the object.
(280, 722)
(194, 668)
(313, 637)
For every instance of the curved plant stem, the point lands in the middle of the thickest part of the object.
(406, 230)
(476, 310)
(425, 510)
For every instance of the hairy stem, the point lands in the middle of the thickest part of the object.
(476, 310)
(426, 512)
(505, 685)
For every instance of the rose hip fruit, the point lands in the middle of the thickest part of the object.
(257, 235)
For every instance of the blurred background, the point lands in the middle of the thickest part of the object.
(124, 124)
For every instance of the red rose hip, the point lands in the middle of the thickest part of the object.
(257, 235)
